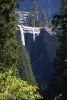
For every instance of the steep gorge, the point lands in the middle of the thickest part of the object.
(42, 53)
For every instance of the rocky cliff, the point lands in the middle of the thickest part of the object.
(42, 53)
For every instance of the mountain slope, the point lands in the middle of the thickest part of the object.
(25, 69)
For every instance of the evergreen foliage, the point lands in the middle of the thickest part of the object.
(59, 84)
(33, 16)
(37, 18)
(43, 19)
(12, 88)
(25, 67)
(8, 42)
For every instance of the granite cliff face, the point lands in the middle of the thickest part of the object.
(42, 53)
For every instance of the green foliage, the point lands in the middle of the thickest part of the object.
(33, 16)
(60, 64)
(8, 42)
(37, 18)
(12, 88)
(43, 19)
(25, 68)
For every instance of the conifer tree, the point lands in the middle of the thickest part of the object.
(59, 83)
(8, 42)
(43, 19)
(33, 16)
(25, 68)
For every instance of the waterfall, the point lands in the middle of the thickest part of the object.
(22, 35)
(33, 30)
(33, 35)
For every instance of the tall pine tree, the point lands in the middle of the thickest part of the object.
(25, 68)
(33, 16)
(43, 19)
(8, 42)
(59, 84)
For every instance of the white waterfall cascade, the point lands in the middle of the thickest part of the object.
(33, 35)
(22, 35)
(32, 30)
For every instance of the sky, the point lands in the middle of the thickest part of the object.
(50, 6)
